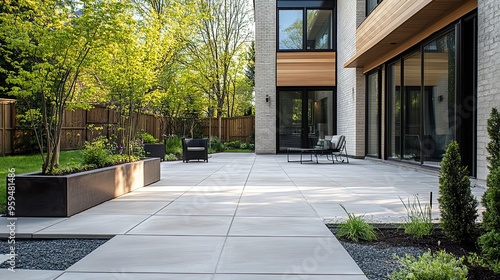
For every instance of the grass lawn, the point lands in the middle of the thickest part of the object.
(30, 163)
(238, 151)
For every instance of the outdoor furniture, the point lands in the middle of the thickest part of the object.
(334, 150)
(194, 149)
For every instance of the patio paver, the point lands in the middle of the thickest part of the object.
(239, 216)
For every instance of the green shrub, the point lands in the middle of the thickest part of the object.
(491, 201)
(216, 145)
(244, 146)
(456, 202)
(171, 157)
(146, 138)
(419, 221)
(493, 146)
(438, 266)
(96, 152)
(174, 146)
(490, 249)
(356, 228)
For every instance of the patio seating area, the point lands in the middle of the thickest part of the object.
(240, 216)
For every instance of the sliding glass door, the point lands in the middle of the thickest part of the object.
(304, 117)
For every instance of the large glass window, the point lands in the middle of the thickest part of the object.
(290, 29)
(317, 23)
(304, 118)
(394, 103)
(439, 96)
(372, 116)
(319, 31)
(412, 107)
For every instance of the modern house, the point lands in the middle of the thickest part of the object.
(399, 78)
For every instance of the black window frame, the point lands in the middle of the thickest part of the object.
(305, 6)
(368, 12)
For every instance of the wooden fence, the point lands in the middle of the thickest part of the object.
(6, 125)
(80, 126)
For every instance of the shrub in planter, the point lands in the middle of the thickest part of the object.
(96, 152)
(457, 204)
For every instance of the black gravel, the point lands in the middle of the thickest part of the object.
(377, 262)
(49, 254)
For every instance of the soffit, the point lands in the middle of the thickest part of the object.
(394, 25)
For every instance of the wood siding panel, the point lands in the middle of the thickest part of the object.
(306, 69)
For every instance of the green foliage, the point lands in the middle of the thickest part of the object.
(216, 145)
(146, 137)
(437, 266)
(457, 204)
(419, 221)
(96, 152)
(49, 44)
(171, 157)
(174, 146)
(356, 228)
(491, 201)
(490, 249)
(490, 241)
(233, 144)
(493, 146)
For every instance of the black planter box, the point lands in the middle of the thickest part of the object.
(63, 196)
(155, 151)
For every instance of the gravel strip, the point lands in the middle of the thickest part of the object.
(49, 254)
(376, 261)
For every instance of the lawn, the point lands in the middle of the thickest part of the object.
(29, 163)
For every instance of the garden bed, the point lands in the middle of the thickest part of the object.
(65, 195)
(376, 260)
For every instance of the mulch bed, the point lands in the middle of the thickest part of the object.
(437, 241)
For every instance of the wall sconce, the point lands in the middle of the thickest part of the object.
(440, 98)
(267, 98)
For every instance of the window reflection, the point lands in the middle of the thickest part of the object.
(319, 31)
(290, 29)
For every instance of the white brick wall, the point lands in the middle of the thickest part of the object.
(350, 81)
(488, 75)
(265, 76)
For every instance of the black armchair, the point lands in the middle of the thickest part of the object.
(194, 149)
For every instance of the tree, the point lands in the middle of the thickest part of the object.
(457, 204)
(53, 41)
(221, 40)
(490, 240)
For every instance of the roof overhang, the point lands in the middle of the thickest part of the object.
(397, 25)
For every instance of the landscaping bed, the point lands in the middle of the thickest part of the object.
(376, 259)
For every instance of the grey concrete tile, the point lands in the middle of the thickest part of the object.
(199, 208)
(131, 276)
(24, 274)
(86, 226)
(278, 226)
(184, 225)
(209, 197)
(284, 255)
(124, 207)
(270, 209)
(149, 196)
(24, 226)
(162, 188)
(288, 277)
(153, 254)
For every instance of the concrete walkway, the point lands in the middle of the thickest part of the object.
(239, 216)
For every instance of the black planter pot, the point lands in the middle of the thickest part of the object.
(155, 151)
